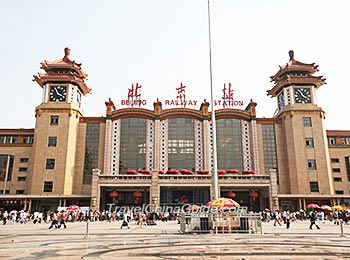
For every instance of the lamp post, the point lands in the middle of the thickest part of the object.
(214, 152)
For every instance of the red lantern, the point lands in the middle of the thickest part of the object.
(137, 195)
(114, 195)
(253, 195)
(231, 195)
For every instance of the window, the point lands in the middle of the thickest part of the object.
(54, 120)
(52, 141)
(335, 160)
(14, 140)
(91, 150)
(347, 164)
(28, 139)
(339, 192)
(331, 140)
(345, 140)
(6, 167)
(19, 191)
(269, 147)
(21, 178)
(48, 186)
(337, 179)
(6, 192)
(311, 164)
(307, 121)
(336, 169)
(23, 159)
(50, 164)
(23, 169)
(314, 186)
(2, 139)
(229, 144)
(309, 142)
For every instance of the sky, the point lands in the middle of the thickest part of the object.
(160, 44)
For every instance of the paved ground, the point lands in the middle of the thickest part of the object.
(108, 241)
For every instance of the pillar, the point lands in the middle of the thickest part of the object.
(95, 190)
(274, 205)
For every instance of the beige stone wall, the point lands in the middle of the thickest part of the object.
(282, 160)
(298, 154)
(18, 152)
(79, 160)
(340, 152)
(63, 153)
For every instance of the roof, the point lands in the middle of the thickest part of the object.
(285, 77)
(16, 131)
(338, 132)
(63, 70)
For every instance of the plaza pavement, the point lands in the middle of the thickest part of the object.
(163, 241)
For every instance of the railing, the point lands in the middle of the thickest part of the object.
(220, 223)
(245, 178)
(184, 177)
(134, 178)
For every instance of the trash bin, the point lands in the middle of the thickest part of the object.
(204, 224)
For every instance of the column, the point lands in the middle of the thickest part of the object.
(95, 190)
(274, 205)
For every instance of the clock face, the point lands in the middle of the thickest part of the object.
(58, 93)
(281, 101)
(302, 95)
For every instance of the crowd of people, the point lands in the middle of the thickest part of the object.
(287, 216)
(57, 219)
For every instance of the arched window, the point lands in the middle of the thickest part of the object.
(132, 144)
(229, 143)
(181, 143)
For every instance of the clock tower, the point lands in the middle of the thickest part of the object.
(302, 132)
(56, 130)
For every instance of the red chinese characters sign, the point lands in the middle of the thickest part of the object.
(134, 96)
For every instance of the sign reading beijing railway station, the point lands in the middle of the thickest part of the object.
(180, 98)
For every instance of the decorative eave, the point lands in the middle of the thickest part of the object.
(316, 81)
(17, 131)
(60, 64)
(93, 120)
(73, 74)
(265, 120)
(181, 112)
(133, 112)
(42, 79)
(232, 113)
(338, 133)
(294, 65)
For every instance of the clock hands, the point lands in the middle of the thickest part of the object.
(302, 94)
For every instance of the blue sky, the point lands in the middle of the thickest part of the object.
(161, 43)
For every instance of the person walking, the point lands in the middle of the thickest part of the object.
(4, 217)
(62, 218)
(313, 218)
(54, 220)
(288, 217)
(125, 221)
(277, 218)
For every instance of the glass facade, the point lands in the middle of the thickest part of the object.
(91, 150)
(181, 143)
(269, 147)
(229, 144)
(6, 165)
(132, 144)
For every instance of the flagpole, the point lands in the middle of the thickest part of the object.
(214, 174)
